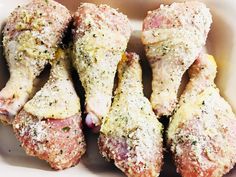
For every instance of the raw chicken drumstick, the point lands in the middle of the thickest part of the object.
(173, 36)
(100, 38)
(49, 126)
(202, 132)
(30, 39)
(131, 134)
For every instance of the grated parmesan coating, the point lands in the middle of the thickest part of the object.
(173, 36)
(101, 35)
(131, 134)
(202, 132)
(57, 99)
(58, 141)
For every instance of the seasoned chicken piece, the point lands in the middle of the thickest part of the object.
(100, 38)
(173, 36)
(30, 39)
(50, 126)
(131, 134)
(202, 132)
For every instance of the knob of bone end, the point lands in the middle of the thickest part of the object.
(93, 122)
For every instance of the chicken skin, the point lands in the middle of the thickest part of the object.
(50, 126)
(202, 132)
(173, 36)
(100, 38)
(30, 39)
(131, 134)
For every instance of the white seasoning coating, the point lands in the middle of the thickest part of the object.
(30, 39)
(202, 131)
(173, 36)
(37, 131)
(131, 134)
(52, 100)
(100, 38)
